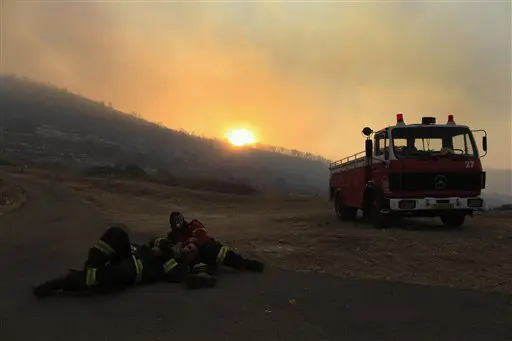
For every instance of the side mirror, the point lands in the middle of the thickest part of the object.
(369, 148)
(484, 143)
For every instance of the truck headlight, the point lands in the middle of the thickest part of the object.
(476, 202)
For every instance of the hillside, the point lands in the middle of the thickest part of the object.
(43, 123)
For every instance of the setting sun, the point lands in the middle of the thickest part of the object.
(240, 137)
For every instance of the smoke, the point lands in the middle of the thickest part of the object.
(308, 76)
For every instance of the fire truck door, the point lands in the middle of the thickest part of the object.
(381, 160)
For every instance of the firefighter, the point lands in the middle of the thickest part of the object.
(199, 274)
(114, 264)
(211, 252)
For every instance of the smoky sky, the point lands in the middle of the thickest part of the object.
(308, 76)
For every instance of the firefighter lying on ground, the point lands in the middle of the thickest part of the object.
(114, 263)
(211, 252)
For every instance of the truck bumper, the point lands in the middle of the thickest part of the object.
(437, 204)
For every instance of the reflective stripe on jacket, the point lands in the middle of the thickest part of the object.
(169, 265)
(222, 254)
(104, 247)
(90, 277)
(138, 269)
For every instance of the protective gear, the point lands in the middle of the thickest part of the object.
(189, 252)
(198, 268)
(183, 251)
(200, 280)
(186, 255)
(176, 220)
(66, 283)
(113, 246)
(190, 232)
(211, 252)
(114, 264)
(110, 278)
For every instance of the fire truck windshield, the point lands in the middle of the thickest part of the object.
(426, 141)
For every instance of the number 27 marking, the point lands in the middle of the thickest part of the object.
(470, 163)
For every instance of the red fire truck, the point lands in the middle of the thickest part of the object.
(422, 170)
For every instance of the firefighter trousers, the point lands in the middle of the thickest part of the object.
(213, 253)
(112, 247)
(114, 264)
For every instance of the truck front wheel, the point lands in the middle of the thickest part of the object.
(453, 219)
(344, 212)
(378, 219)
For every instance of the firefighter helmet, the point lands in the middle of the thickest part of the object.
(176, 220)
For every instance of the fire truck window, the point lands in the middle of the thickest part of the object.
(381, 145)
(462, 142)
(412, 141)
(400, 143)
(428, 144)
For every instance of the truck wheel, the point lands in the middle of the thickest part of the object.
(453, 219)
(343, 212)
(378, 219)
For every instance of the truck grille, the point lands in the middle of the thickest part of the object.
(436, 181)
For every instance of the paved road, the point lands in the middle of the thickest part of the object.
(52, 232)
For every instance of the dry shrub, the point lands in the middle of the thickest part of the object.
(133, 172)
(10, 196)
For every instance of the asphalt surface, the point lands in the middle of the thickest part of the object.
(53, 230)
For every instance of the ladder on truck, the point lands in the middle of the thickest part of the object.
(350, 162)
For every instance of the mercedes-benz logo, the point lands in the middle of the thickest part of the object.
(440, 182)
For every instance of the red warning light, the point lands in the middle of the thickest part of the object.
(450, 119)
(399, 117)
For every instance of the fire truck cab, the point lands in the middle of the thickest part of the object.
(422, 170)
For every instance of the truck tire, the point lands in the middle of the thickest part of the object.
(453, 219)
(343, 212)
(379, 220)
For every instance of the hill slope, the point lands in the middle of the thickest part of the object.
(44, 123)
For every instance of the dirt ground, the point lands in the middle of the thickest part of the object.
(11, 197)
(303, 234)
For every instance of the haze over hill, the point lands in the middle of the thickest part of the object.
(301, 75)
(45, 123)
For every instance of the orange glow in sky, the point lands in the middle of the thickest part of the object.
(240, 137)
(304, 76)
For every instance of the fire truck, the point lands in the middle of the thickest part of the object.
(417, 170)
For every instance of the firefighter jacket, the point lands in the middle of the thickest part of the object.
(193, 231)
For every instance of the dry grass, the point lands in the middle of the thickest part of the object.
(302, 234)
(11, 197)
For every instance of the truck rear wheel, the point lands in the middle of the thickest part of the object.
(453, 219)
(344, 212)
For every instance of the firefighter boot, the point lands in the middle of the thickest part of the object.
(212, 269)
(253, 265)
(49, 287)
(236, 261)
(200, 280)
(73, 281)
